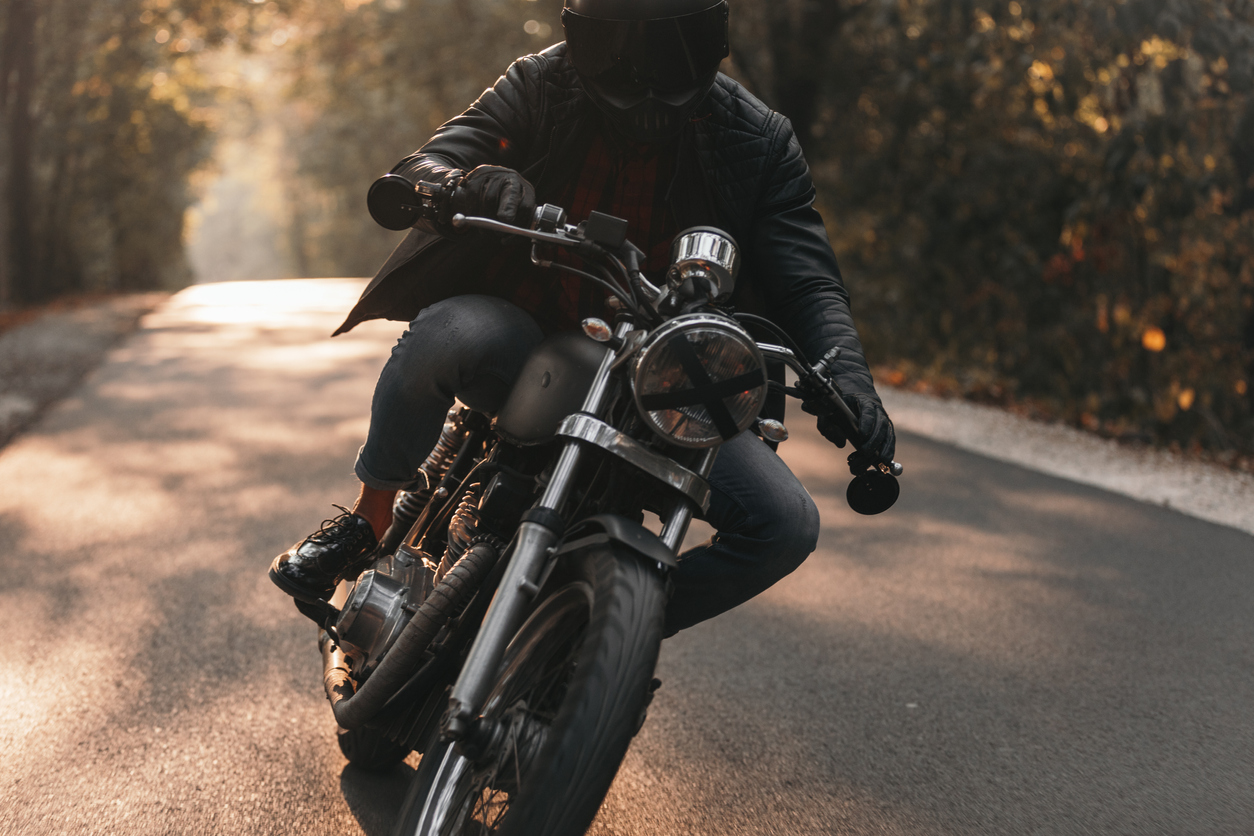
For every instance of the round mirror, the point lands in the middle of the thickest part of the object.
(873, 492)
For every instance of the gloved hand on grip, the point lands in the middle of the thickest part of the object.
(873, 423)
(493, 191)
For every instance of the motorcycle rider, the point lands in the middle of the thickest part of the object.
(630, 117)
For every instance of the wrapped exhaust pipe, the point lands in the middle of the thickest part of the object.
(354, 709)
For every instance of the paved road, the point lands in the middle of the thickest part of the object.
(1003, 653)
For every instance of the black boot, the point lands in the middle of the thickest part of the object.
(309, 570)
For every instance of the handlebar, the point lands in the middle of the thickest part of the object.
(600, 240)
(818, 377)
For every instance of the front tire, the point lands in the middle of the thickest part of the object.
(570, 695)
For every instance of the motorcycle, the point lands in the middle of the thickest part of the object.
(509, 625)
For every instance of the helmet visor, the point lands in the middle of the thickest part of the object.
(633, 57)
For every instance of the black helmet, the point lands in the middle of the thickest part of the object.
(646, 63)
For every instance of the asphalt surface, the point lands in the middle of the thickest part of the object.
(43, 360)
(1002, 653)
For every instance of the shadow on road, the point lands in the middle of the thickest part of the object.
(1004, 652)
(1001, 653)
(374, 798)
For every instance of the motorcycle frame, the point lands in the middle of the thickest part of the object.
(534, 546)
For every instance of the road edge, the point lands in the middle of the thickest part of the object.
(1198, 489)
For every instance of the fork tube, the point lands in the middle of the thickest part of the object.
(676, 526)
(532, 546)
(677, 521)
(559, 486)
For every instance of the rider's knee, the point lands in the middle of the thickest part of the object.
(801, 535)
(789, 529)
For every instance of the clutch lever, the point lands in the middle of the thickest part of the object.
(872, 491)
(819, 379)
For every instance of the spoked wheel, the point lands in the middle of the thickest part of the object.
(570, 695)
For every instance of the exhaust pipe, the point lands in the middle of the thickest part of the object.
(354, 709)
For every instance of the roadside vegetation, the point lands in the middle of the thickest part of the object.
(1047, 205)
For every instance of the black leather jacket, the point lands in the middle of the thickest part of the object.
(740, 168)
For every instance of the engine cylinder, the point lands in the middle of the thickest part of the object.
(372, 618)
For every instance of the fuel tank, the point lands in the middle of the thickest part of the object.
(553, 384)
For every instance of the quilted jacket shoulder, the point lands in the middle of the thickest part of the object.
(750, 173)
(749, 154)
(755, 162)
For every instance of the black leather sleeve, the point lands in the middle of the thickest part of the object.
(794, 266)
(495, 130)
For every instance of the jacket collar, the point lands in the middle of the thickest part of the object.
(571, 118)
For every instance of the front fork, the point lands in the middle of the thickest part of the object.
(533, 545)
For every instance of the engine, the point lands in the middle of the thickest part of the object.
(378, 608)
(386, 597)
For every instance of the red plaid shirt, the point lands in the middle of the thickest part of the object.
(629, 183)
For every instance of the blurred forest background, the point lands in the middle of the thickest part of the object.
(1048, 204)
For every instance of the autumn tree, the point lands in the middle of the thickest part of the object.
(369, 83)
(1047, 202)
(105, 116)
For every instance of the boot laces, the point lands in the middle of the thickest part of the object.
(332, 529)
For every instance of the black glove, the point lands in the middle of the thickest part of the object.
(493, 191)
(880, 441)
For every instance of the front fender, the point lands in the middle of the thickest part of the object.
(605, 528)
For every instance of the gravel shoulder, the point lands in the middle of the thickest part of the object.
(43, 360)
(1199, 489)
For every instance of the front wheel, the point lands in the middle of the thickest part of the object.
(570, 695)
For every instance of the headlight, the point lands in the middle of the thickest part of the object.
(700, 380)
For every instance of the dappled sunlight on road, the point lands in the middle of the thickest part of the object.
(138, 522)
(997, 641)
(983, 559)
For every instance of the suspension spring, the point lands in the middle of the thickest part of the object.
(461, 530)
(409, 504)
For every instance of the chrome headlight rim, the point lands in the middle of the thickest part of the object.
(755, 379)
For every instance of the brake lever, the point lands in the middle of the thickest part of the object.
(461, 221)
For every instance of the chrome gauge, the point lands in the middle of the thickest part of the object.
(704, 260)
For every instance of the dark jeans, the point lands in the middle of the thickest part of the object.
(473, 348)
